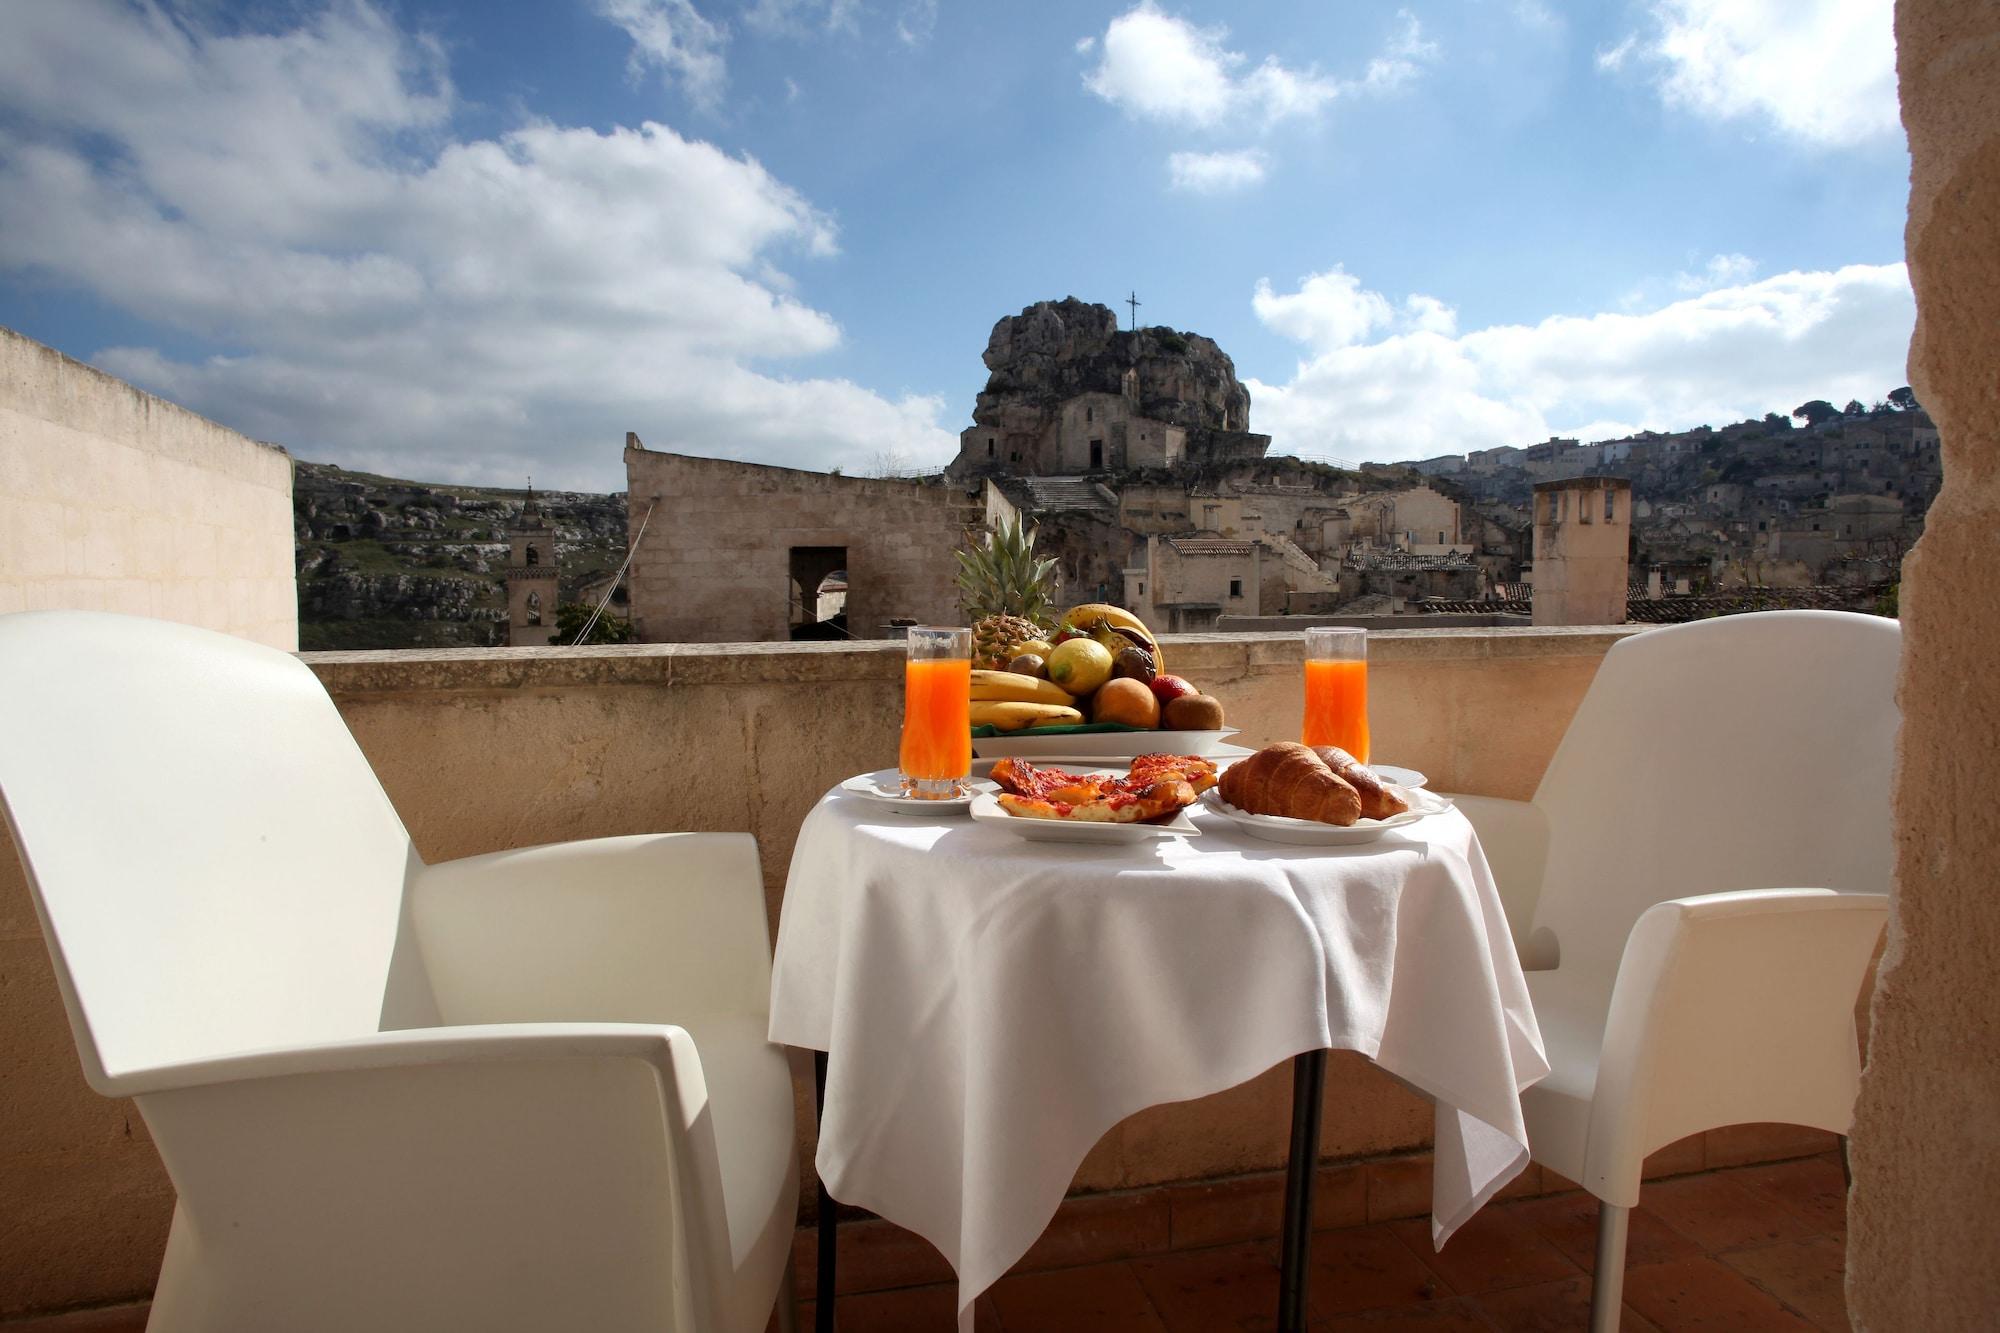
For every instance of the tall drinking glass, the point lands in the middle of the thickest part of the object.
(1337, 689)
(937, 712)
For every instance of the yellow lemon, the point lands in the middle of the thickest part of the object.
(1080, 666)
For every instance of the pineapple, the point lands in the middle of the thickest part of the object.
(1008, 593)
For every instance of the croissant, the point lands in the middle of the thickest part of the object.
(1290, 780)
(1377, 801)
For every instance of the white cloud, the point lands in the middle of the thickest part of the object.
(672, 35)
(1159, 67)
(917, 22)
(802, 18)
(1822, 71)
(1216, 173)
(1721, 271)
(1612, 59)
(471, 311)
(1385, 383)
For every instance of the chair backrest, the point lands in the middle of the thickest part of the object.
(1745, 752)
(215, 865)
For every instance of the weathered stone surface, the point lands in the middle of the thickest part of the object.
(1055, 350)
(1923, 1226)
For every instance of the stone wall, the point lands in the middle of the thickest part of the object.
(110, 500)
(114, 500)
(483, 750)
(715, 564)
(1924, 1218)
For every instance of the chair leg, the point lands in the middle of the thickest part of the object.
(1607, 1290)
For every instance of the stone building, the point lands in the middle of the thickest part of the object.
(1187, 582)
(533, 579)
(742, 552)
(1583, 533)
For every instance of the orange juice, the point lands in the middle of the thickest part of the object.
(1337, 706)
(937, 719)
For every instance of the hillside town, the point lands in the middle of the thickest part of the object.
(1129, 453)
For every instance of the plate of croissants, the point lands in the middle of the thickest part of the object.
(1318, 796)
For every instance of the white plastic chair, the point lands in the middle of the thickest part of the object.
(523, 1091)
(1703, 866)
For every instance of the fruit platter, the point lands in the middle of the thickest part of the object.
(1090, 682)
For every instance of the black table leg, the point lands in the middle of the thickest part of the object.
(1301, 1166)
(823, 1298)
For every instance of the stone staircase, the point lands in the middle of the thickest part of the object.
(1070, 495)
(1296, 559)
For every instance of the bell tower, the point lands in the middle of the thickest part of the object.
(531, 578)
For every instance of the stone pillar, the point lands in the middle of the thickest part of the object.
(1924, 1216)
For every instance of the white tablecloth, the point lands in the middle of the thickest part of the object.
(993, 1006)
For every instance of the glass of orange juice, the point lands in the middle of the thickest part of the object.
(1337, 689)
(937, 712)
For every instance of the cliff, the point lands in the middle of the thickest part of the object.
(1054, 350)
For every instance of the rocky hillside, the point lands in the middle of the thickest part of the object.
(385, 563)
(1054, 350)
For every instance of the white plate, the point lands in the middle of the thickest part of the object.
(1312, 833)
(885, 788)
(1099, 745)
(986, 810)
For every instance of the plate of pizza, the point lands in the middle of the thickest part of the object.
(1147, 798)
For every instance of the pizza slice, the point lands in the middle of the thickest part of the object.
(1154, 790)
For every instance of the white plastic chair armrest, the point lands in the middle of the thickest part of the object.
(649, 929)
(572, 1140)
(1729, 1008)
(1515, 837)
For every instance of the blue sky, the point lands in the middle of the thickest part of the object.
(472, 240)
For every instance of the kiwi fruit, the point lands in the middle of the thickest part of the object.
(1192, 712)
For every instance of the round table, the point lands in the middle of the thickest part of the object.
(992, 1006)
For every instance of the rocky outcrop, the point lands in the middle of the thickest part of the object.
(1055, 350)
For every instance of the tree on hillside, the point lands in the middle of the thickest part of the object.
(1816, 411)
(1854, 408)
(1775, 424)
(1904, 399)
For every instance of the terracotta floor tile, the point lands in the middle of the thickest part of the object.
(1551, 1307)
(1698, 1295)
(1450, 1315)
(1233, 1289)
(1718, 1213)
(1809, 1276)
(1230, 1212)
(1813, 1187)
(1399, 1187)
(1569, 1222)
(1494, 1249)
(1737, 1145)
(874, 1255)
(1102, 1298)
(1340, 1196)
(1101, 1228)
(1367, 1268)
(930, 1309)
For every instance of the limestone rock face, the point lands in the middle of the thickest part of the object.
(1054, 350)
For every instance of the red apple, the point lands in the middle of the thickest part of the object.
(1169, 688)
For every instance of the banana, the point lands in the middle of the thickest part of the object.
(1002, 715)
(1013, 687)
(1114, 627)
